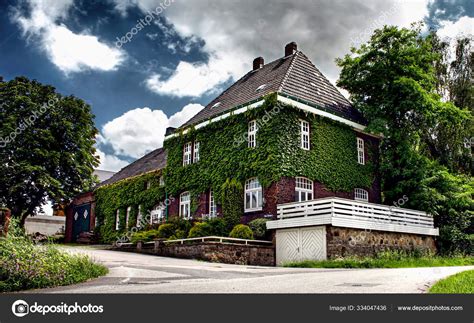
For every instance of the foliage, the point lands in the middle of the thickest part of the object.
(388, 259)
(227, 161)
(46, 146)
(131, 192)
(144, 236)
(212, 227)
(259, 228)
(166, 230)
(232, 202)
(461, 283)
(393, 81)
(26, 265)
(241, 231)
(175, 228)
(200, 229)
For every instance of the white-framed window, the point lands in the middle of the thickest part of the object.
(117, 220)
(196, 151)
(212, 205)
(185, 205)
(127, 216)
(252, 134)
(187, 153)
(304, 130)
(253, 195)
(157, 214)
(148, 185)
(162, 181)
(360, 151)
(303, 189)
(361, 195)
(139, 217)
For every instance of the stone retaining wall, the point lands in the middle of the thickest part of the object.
(346, 242)
(229, 253)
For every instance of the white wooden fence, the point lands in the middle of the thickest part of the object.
(353, 214)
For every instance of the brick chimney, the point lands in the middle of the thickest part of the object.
(258, 63)
(290, 48)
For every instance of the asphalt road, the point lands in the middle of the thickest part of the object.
(137, 273)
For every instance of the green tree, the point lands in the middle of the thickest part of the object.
(46, 146)
(393, 81)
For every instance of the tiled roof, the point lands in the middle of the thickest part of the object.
(152, 161)
(293, 75)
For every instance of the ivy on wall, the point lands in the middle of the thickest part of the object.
(332, 159)
(132, 192)
(224, 155)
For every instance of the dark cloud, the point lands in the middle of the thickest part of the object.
(452, 10)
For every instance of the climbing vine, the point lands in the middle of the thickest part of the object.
(224, 152)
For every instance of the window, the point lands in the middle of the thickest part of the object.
(185, 205)
(139, 217)
(303, 189)
(212, 205)
(360, 151)
(187, 154)
(361, 195)
(304, 128)
(148, 185)
(127, 217)
(252, 134)
(162, 181)
(253, 195)
(157, 214)
(196, 151)
(117, 220)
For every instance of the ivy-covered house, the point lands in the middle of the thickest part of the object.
(280, 134)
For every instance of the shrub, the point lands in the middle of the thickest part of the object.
(144, 236)
(166, 230)
(232, 202)
(241, 231)
(179, 234)
(259, 228)
(200, 229)
(218, 227)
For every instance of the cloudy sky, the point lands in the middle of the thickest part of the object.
(180, 54)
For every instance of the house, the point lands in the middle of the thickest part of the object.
(298, 151)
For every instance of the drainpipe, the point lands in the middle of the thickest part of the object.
(166, 199)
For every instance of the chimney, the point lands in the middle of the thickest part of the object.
(258, 63)
(290, 48)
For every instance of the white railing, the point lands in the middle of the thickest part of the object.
(350, 213)
(219, 239)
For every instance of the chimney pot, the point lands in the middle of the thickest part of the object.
(258, 63)
(290, 48)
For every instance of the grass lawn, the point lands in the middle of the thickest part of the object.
(386, 261)
(462, 283)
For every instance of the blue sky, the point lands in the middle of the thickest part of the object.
(185, 52)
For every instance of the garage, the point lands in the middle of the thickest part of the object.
(298, 244)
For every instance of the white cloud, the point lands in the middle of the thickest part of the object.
(110, 162)
(235, 32)
(142, 130)
(462, 27)
(69, 51)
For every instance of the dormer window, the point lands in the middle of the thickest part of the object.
(304, 134)
(261, 87)
(215, 105)
(360, 151)
(252, 134)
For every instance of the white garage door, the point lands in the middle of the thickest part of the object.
(300, 244)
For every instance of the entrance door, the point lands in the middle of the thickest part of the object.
(81, 220)
(298, 244)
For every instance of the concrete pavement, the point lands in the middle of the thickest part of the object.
(139, 273)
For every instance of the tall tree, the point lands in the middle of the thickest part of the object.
(46, 146)
(393, 81)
